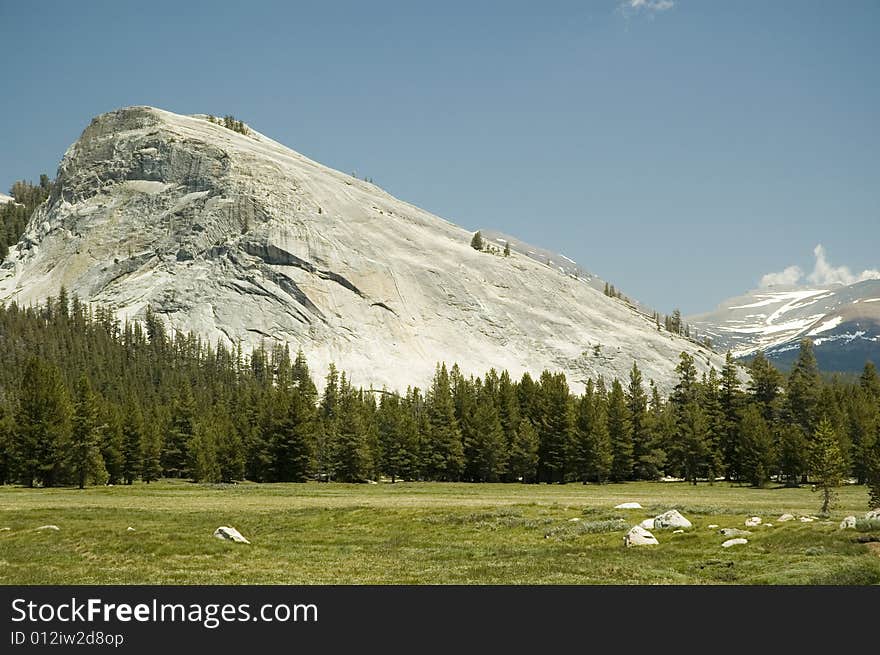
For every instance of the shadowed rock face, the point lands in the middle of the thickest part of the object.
(244, 240)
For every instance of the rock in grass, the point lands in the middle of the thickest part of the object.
(49, 527)
(647, 524)
(873, 515)
(806, 519)
(129, 529)
(628, 506)
(733, 532)
(713, 526)
(574, 520)
(638, 536)
(849, 523)
(734, 542)
(5, 529)
(786, 517)
(671, 519)
(230, 534)
(679, 531)
(753, 521)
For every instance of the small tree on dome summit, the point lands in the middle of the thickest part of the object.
(507, 248)
(477, 241)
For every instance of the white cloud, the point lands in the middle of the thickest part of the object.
(823, 273)
(788, 277)
(651, 6)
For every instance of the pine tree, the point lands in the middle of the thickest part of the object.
(620, 431)
(792, 454)
(637, 404)
(443, 455)
(84, 449)
(507, 248)
(764, 386)
(202, 461)
(691, 441)
(351, 456)
(756, 446)
(524, 453)
(180, 433)
(802, 391)
(151, 451)
(826, 462)
(555, 427)
(132, 429)
(477, 242)
(113, 443)
(42, 425)
(731, 399)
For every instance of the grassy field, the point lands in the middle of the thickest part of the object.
(421, 533)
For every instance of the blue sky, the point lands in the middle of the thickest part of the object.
(680, 149)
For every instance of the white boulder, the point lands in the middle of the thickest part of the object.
(753, 521)
(48, 527)
(806, 519)
(671, 519)
(849, 523)
(638, 536)
(574, 520)
(230, 534)
(679, 531)
(628, 506)
(713, 526)
(647, 524)
(734, 542)
(733, 532)
(873, 515)
(786, 517)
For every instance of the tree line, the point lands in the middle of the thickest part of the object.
(14, 216)
(85, 399)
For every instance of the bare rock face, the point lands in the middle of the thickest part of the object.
(243, 240)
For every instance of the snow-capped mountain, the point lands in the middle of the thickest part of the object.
(241, 239)
(4, 199)
(843, 322)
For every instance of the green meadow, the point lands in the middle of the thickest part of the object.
(423, 533)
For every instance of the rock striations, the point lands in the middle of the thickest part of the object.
(243, 240)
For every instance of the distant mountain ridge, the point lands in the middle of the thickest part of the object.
(842, 320)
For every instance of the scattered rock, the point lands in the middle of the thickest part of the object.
(638, 536)
(753, 522)
(647, 524)
(873, 515)
(574, 519)
(48, 527)
(786, 517)
(768, 525)
(679, 531)
(733, 532)
(671, 519)
(734, 542)
(713, 526)
(5, 529)
(628, 506)
(806, 519)
(231, 534)
(129, 529)
(849, 523)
